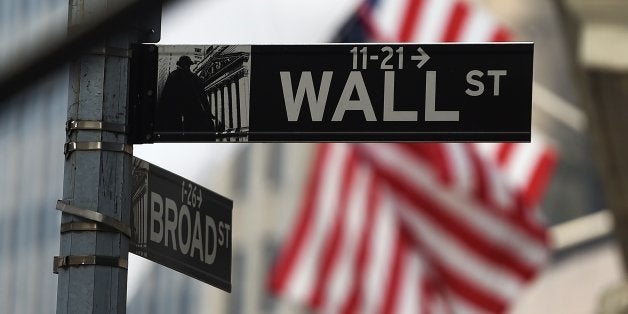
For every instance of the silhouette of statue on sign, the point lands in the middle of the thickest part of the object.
(183, 106)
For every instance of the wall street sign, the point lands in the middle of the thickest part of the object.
(181, 225)
(336, 92)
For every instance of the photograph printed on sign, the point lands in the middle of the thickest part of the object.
(203, 92)
(139, 199)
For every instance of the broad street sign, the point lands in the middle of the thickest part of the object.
(337, 92)
(181, 225)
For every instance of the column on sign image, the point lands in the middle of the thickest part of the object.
(213, 106)
(235, 106)
(227, 106)
(140, 208)
(229, 103)
(219, 115)
(243, 95)
(224, 107)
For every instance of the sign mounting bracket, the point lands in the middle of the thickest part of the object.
(94, 216)
(76, 261)
(92, 125)
(71, 147)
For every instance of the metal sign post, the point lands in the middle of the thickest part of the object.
(339, 92)
(95, 232)
(92, 265)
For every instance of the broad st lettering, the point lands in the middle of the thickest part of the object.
(186, 231)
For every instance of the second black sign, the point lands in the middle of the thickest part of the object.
(181, 225)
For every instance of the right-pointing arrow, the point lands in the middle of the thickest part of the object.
(423, 57)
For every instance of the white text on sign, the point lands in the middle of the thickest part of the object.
(473, 78)
(389, 58)
(186, 231)
(317, 100)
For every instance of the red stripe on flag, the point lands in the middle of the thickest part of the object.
(481, 185)
(504, 152)
(409, 22)
(502, 34)
(366, 237)
(433, 154)
(471, 292)
(331, 254)
(475, 241)
(365, 12)
(509, 216)
(429, 288)
(394, 283)
(464, 288)
(441, 280)
(526, 199)
(457, 20)
(287, 261)
(540, 178)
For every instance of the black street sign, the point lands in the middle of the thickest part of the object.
(181, 225)
(337, 92)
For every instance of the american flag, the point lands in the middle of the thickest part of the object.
(418, 228)
(423, 21)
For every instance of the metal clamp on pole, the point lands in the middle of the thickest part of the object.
(71, 147)
(73, 125)
(85, 226)
(76, 261)
(94, 216)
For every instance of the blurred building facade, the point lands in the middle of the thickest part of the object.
(31, 168)
(266, 182)
(31, 162)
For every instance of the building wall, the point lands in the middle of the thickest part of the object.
(31, 162)
(31, 168)
(265, 182)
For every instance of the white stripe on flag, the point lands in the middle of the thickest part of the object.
(305, 271)
(380, 255)
(431, 24)
(468, 210)
(386, 17)
(440, 228)
(338, 285)
(520, 167)
(501, 193)
(460, 169)
(411, 279)
(480, 26)
(448, 252)
(488, 150)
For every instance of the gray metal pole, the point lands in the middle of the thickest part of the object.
(92, 274)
